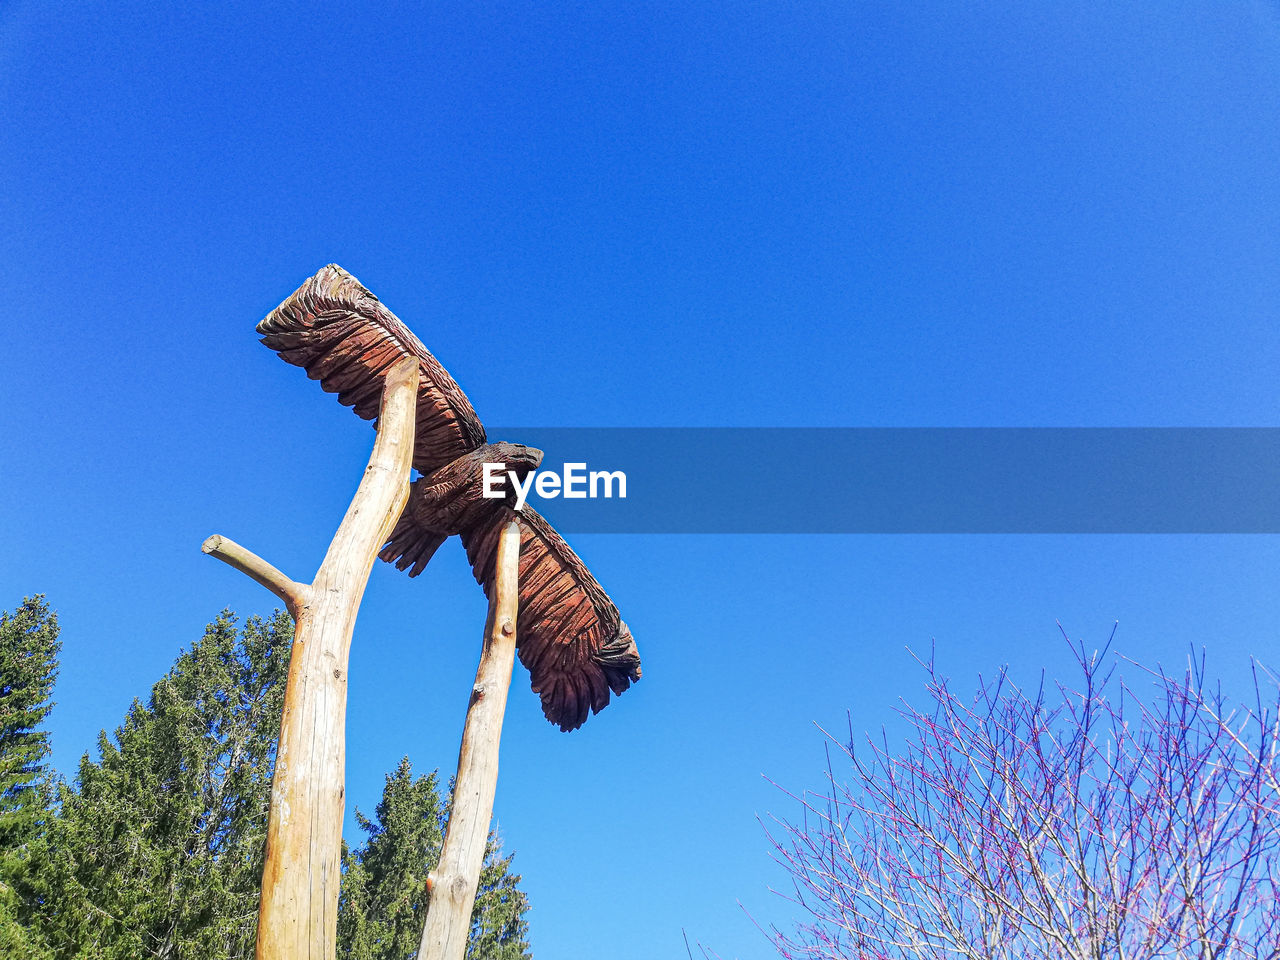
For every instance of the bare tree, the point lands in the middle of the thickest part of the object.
(1106, 820)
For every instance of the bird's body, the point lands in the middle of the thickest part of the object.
(451, 499)
(570, 636)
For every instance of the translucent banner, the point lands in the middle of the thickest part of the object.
(928, 480)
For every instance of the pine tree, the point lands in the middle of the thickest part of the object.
(28, 665)
(384, 884)
(384, 881)
(498, 926)
(157, 850)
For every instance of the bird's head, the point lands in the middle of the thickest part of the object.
(520, 460)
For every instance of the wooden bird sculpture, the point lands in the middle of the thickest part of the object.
(570, 636)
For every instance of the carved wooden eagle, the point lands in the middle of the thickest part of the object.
(569, 633)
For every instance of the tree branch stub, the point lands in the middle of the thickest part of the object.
(295, 595)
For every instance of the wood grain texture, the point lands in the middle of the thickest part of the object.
(572, 639)
(343, 336)
(294, 595)
(298, 912)
(454, 880)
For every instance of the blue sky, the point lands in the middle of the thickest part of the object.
(840, 214)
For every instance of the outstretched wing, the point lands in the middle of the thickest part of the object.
(570, 636)
(345, 338)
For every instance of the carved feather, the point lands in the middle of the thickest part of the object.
(343, 336)
(570, 635)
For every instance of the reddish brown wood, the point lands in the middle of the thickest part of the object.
(572, 639)
(345, 338)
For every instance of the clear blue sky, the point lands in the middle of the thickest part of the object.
(863, 214)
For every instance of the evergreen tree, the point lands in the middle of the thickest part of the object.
(384, 884)
(384, 881)
(28, 665)
(157, 851)
(498, 926)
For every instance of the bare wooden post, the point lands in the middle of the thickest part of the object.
(298, 915)
(452, 884)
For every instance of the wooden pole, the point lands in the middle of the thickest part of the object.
(298, 915)
(452, 885)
